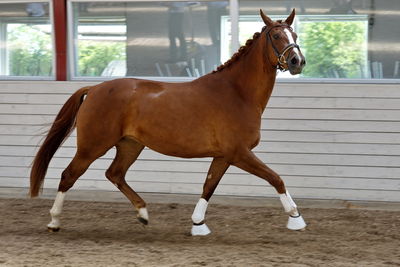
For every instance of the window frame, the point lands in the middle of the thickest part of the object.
(72, 50)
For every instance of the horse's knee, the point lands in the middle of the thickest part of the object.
(109, 175)
(279, 185)
(115, 176)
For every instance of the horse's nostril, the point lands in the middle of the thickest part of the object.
(293, 61)
(303, 62)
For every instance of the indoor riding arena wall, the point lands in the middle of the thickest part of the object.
(327, 141)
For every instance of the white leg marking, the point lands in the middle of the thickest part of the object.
(56, 211)
(143, 213)
(198, 215)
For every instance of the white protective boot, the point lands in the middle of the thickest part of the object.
(296, 221)
(199, 227)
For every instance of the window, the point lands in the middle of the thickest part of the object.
(26, 45)
(345, 39)
(335, 45)
(146, 39)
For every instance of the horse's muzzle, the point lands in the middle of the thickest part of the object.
(296, 63)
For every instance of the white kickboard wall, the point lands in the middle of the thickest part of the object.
(327, 141)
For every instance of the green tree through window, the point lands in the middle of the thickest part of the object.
(94, 56)
(334, 49)
(30, 50)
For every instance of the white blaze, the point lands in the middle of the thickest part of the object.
(291, 41)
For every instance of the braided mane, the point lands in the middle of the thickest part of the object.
(242, 50)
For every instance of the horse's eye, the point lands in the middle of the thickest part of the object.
(276, 36)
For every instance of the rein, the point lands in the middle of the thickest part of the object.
(281, 56)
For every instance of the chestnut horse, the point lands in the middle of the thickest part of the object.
(217, 115)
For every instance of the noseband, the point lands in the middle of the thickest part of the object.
(281, 56)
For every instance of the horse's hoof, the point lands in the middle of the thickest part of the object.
(143, 220)
(201, 230)
(296, 223)
(143, 216)
(53, 230)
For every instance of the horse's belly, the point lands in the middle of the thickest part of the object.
(184, 147)
(186, 144)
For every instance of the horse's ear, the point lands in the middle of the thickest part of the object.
(265, 18)
(290, 19)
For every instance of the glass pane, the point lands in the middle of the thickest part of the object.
(25, 40)
(341, 38)
(153, 39)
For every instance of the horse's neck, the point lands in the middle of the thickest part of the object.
(253, 76)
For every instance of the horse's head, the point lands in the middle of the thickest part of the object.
(283, 51)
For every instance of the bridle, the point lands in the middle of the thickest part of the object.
(281, 56)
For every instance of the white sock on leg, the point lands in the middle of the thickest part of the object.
(56, 210)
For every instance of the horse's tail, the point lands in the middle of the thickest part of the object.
(62, 126)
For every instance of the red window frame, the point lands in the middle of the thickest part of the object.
(60, 33)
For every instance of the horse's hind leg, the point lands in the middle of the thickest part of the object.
(128, 151)
(75, 169)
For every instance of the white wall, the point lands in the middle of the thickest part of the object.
(328, 141)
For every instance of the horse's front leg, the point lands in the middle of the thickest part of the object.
(250, 163)
(217, 169)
